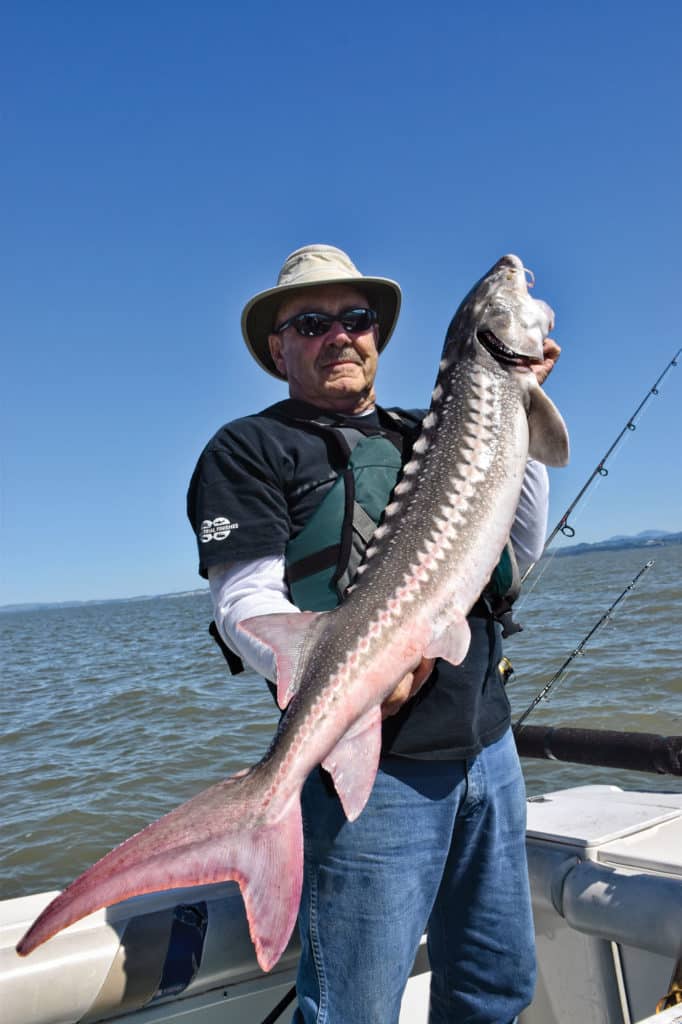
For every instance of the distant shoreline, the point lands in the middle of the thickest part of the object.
(37, 605)
(645, 539)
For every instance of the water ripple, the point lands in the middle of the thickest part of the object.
(119, 711)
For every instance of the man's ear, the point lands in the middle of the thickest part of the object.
(275, 345)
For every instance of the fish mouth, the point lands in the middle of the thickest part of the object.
(501, 352)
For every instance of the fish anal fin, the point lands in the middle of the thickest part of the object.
(548, 436)
(353, 763)
(287, 635)
(450, 642)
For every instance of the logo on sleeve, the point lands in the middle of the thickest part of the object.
(216, 529)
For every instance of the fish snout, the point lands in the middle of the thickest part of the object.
(510, 262)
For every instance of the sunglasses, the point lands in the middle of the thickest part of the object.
(314, 325)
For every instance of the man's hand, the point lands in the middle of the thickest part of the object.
(551, 351)
(407, 687)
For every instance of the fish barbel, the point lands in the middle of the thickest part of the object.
(435, 549)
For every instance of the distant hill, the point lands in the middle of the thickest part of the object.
(28, 607)
(645, 539)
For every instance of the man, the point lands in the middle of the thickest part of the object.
(283, 503)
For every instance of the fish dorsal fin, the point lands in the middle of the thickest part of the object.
(353, 762)
(548, 436)
(288, 635)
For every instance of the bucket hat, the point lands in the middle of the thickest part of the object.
(315, 265)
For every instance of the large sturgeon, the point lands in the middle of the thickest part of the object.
(433, 553)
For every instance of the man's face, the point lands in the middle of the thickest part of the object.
(337, 370)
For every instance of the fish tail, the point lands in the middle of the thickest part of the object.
(223, 834)
(271, 885)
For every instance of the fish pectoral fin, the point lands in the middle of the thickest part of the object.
(548, 436)
(193, 846)
(451, 642)
(353, 763)
(287, 635)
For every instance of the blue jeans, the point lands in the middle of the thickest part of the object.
(439, 847)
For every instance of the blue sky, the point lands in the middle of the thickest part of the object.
(161, 159)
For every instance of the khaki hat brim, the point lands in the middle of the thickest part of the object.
(383, 295)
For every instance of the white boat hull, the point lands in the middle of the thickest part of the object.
(606, 878)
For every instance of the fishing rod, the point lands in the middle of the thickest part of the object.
(600, 470)
(542, 695)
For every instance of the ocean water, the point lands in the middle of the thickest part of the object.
(111, 714)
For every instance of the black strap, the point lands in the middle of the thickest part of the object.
(318, 561)
(347, 527)
(278, 1010)
(235, 663)
(363, 527)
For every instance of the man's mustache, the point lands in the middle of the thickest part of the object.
(346, 355)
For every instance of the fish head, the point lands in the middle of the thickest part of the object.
(500, 318)
(501, 327)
